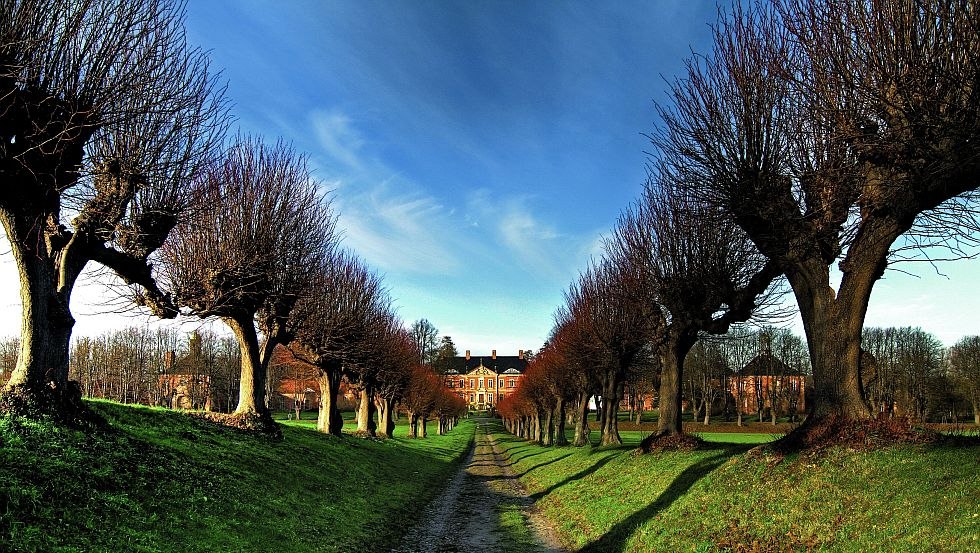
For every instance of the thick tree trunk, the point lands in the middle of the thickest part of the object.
(833, 324)
(251, 393)
(547, 427)
(387, 411)
(560, 438)
(707, 412)
(413, 421)
(611, 394)
(423, 430)
(582, 424)
(365, 413)
(679, 342)
(39, 383)
(329, 419)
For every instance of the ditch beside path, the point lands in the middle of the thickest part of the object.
(483, 508)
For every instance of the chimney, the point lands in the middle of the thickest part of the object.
(467, 355)
(494, 354)
(520, 354)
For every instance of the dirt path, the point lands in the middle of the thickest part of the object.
(467, 516)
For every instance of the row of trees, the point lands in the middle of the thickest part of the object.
(907, 373)
(115, 152)
(813, 135)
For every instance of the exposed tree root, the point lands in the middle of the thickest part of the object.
(816, 435)
(59, 403)
(251, 423)
(665, 441)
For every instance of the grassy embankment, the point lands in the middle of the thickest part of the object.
(902, 498)
(158, 480)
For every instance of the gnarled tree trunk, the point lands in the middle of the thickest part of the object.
(329, 419)
(560, 438)
(582, 423)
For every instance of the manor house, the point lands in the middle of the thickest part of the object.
(483, 381)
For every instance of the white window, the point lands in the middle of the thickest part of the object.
(490, 398)
(481, 382)
(490, 382)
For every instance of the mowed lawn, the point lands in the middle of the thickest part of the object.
(159, 480)
(728, 498)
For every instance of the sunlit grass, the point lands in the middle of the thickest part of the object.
(162, 481)
(903, 498)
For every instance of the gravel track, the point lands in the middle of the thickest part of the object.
(465, 517)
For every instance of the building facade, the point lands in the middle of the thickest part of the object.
(483, 381)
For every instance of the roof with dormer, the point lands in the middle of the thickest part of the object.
(487, 364)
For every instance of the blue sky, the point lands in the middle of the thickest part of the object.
(477, 151)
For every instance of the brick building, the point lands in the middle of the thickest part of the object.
(483, 381)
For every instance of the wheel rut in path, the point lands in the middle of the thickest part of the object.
(466, 516)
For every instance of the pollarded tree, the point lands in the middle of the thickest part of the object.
(368, 367)
(250, 254)
(570, 336)
(618, 326)
(106, 116)
(420, 398)
(335, 325)
(700, 272)
(397, 356)
(836, 133)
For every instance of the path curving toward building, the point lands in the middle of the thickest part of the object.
(483, 508)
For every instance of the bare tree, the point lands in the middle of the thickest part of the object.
(251, 255)
(706, 378)
(106, 116)
(426, 336)
(335, 326)
(830, 130)
(570, 336)
(396, 359)
(698, 269)
(9, 347)
(964, 360)
(617, 329)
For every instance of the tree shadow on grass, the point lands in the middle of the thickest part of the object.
(539, 465)
(577, 476)
(615, 539)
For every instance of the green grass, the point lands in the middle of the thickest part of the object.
(162, 481)
(722, 498)
(632, 438)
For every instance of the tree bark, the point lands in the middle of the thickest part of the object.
(560, 438)
(329, 419)
(39, 380)
(612, 391)
(365, 413)
(833, 322)
(387, 412)
(413, 421)
(547, 427)
(251, 393)
(582, 424)
(679, 343)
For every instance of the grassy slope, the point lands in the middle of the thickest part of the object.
(909, 498)
(162, 481)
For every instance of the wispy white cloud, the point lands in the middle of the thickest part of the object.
(338, 138)
(398, 231)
